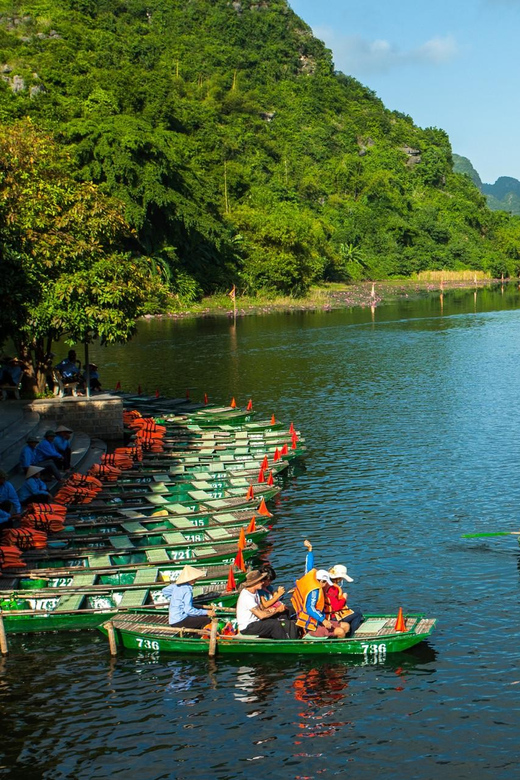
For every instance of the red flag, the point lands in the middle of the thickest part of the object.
(265, 463)
(239, 561)
(285, 449)
(251, 528)
(250, 493)
(261, 477)
(231, 583)
(263, 510)
(118, 386)
(242, 544)
(249, 407)
(270, 480)
(277, 455)
(291, 429)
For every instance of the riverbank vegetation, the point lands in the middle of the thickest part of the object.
(232, 153)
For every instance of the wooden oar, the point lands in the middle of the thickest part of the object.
(496, 533)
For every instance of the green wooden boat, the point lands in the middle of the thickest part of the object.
(146, 632)
(195, 554)
(82, 607)
(184, 491)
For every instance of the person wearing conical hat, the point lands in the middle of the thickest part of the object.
(33, 489)
(182, 613)
(28, 454)
(9, 502)
(48, 457)
(62, 444)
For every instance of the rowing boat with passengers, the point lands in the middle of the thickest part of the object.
(144, 631)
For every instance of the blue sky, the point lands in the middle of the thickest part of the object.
(453, 64)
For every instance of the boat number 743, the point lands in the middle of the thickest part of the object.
(147, 644)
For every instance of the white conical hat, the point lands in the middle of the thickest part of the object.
(190, 574)
(63, 429)
(32, 471)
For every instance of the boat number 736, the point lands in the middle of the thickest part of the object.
(374, 651)
(147, 644)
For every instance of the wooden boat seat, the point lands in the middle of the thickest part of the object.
(158, 556)
(143, 576)
(120, 542)
(133, 528)
(134, 598)
(179, 509)
(97, 560)
(162, 477)
(69, 603)
(156, 500)
(175, 537)
(220, 534)
(82, 580)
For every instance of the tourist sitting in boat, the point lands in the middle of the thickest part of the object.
(269, 597)
(336, 601)
(182, 613)
(33, 490)
(48, 457)
(309, 604)
(28, 454)
(254, 620)
(9, 502)
(62, 444)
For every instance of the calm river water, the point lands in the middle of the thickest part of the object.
(411, 416)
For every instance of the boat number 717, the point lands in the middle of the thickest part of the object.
(147, 644)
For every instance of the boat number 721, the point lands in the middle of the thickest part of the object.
(147, 644)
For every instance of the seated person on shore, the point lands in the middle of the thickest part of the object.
(253, 620)
(11, 374)
(33, 489)
(9, 502)
(336, 601)
(180, 595)
(62, 444)
(48, 457)
(28, 454)
(95, 384)
(269, 596)
(70, 369)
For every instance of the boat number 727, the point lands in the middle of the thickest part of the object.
(147, 644)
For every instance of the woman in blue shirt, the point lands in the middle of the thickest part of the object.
(180, 595)
(33, 489)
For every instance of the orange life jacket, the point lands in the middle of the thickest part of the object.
(304, 587)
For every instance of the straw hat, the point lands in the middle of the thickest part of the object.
(49, 433)
(63, 429)
(32, 471)
(32, 438)
(190, 574)
(322, 575)
(339, 572)
(254, 577)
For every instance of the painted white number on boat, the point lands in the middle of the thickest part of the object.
(375, 651)
(181, 555)
(147, 644)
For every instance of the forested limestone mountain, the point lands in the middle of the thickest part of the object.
(503, 195)
(239, 153)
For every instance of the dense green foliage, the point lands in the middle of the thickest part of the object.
(65, 271)
(503, 195)
(239, 154)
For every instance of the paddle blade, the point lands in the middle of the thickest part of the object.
(497, 533)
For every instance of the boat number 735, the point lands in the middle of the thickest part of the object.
(147, 644)
(374, 650)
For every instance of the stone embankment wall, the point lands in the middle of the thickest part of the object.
(101, 417)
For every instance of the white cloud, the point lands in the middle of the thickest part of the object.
(359, 56)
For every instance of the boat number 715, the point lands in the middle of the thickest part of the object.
(147, 644)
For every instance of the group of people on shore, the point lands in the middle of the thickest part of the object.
(318, 604)
(48, 458)
(69, 371)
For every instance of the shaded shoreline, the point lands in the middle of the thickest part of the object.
(362, 295)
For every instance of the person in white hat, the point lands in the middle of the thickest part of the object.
(182, 613)
(62, 444)
(336, 601)
(33, 489)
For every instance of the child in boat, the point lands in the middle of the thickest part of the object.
(336, 601)
(269, 597)
(253, 620)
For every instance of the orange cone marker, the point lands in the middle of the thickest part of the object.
(285, 449)
(231, 582)
(242, 544)
(249, 407)
(277, 455)
(263, 510)
(291, 429)
(261, 477)
(270, 480)
(400, 624)
(157, 393)
(239, 561)
(265, 463)
(250, 493)
(273, 420)
(251, 528)
(233, 403)
(205, 399)
(294, 443)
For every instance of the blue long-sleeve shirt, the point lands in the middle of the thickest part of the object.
(45, 450)
(61, 444)
(32, 487)
(8, 493)
(312, 597)
(28, 457)
(181, 603)
(4, 517)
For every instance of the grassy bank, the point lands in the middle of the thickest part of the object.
(335, 295)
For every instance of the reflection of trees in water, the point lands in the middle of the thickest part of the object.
(321, 690)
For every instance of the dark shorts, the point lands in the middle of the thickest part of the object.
(197, 621)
